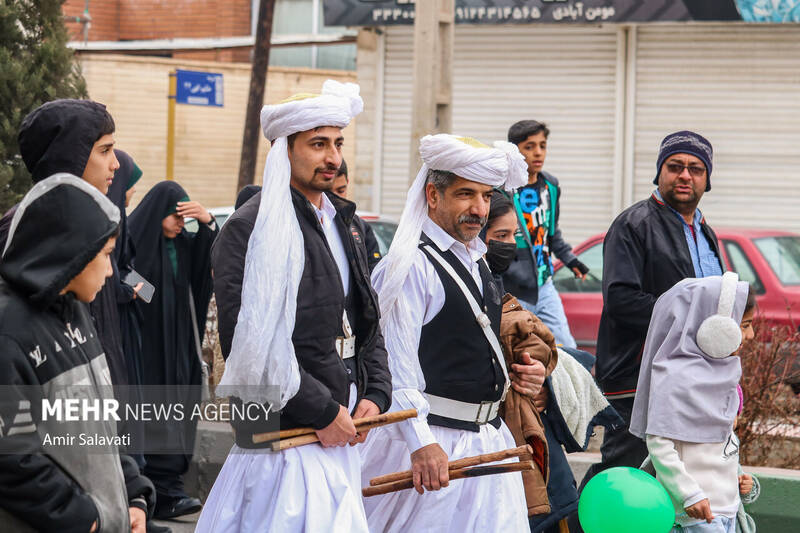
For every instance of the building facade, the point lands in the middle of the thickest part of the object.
(609, 94)
(216, 30)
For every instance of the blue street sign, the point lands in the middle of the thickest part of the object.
(199, 88)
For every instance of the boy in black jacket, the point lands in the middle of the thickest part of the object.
(56, 259)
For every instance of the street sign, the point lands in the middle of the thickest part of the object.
(199, 88)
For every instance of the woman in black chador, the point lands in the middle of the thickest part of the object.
(177, 263)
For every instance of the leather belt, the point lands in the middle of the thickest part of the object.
(478, 413)
(346, 346)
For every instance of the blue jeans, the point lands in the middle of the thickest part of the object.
(720, 524)
(550, 310)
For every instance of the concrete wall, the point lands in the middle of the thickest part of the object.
(208, 139)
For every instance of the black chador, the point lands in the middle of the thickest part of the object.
(105, 306)
(179, 269)
(106, 314)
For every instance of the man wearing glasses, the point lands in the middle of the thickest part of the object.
(650, 246)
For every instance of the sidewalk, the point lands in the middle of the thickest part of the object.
(184, 524)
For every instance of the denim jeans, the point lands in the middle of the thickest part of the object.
(720, 524)
(550, 310)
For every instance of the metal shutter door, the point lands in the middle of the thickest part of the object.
(739, 86)
(565, 77)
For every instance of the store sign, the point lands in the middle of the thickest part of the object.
(385, 12)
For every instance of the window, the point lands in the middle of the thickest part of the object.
(305, 17)
(742, 266)
(783, 256)
(292, 17)
(565, 280)
(384, 233)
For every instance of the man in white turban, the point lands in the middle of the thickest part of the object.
(440, 312)
(298, 325)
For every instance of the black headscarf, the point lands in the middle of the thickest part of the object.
(58, 136)
(169, 352)
(166, 327)
(116, 193)
(105, 308)
(114, 308)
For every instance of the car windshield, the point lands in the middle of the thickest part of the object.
(783, 256)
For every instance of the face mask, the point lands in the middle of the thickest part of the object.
(500, 255)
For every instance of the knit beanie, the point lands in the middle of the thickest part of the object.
(686, 142)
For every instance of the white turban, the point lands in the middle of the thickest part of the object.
(262, 366)
(499, 166)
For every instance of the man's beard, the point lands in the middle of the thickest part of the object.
(469, 219)
(321, 184)
(688, 202)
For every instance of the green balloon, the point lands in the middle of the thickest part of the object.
(625, 500)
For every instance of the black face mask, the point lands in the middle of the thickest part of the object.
(500, 255)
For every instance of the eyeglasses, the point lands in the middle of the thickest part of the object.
(695, 171)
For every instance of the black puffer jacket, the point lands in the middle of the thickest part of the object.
(49, 349)
(644, 255)
(324, 383)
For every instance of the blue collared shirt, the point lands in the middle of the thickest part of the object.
(705, 261)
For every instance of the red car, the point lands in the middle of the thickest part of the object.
(770, 260)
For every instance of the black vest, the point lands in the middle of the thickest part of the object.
(318, 321)
(456, 358)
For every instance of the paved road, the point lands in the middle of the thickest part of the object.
(184, 524)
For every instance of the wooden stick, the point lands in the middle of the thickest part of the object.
(302, 440)
(258, 438)
(362, 424)
(460, 463)
(476, 471)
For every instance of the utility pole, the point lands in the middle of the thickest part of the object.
(171, 101)
(431, 107)
(258, 81)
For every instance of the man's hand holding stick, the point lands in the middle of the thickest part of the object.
(457, 470)
(291, 438)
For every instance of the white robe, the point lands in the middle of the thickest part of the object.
(309, 488)
(483, 504)
(489, 503)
